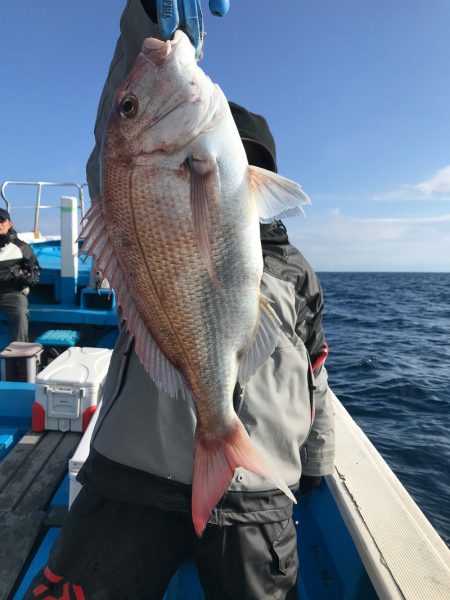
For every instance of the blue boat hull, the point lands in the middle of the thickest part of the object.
(331, 568)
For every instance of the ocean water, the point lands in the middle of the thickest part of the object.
(389, 364)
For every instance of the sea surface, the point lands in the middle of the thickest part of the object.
(389, 364)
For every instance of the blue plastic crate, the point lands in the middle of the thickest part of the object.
(59, 337)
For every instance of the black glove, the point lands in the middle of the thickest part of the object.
(17, 271)
(27, 275)
(33, 274)
(309, 483)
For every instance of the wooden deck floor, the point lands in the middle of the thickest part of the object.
(29, 476)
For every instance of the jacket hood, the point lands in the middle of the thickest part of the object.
(254, 130)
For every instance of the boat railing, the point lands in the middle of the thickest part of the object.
(37, 206)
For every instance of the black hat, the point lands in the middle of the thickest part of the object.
(4, 215)
(255, 135)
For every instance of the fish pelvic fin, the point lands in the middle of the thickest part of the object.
(263, 344)
(214, 465)
(204, 196)
(276, 196)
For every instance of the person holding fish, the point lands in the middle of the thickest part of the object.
(216, 404)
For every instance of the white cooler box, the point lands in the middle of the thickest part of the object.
(68, 390)
(79, 457)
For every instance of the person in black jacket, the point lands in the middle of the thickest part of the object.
(19, 269)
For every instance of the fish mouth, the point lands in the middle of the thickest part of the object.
(157, 50)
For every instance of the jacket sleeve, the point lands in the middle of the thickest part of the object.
(318, 452)
(30, 266)
(135, 26)
(150, 8)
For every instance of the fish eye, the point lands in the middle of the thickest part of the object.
(129, 106)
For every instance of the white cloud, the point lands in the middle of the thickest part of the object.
(437, 184)
(334, 241)
(403, 220)
(436, 187)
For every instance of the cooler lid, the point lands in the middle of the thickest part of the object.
(85, 367)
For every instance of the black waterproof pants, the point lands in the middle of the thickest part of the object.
(110, 550)
(14, 305)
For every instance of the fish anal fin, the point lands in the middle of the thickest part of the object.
(276, 196)
(204, 197)
(263, 344)
(214, 466)
(164, 374)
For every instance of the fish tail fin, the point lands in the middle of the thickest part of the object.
(214, 465)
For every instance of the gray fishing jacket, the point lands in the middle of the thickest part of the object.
(143, 445)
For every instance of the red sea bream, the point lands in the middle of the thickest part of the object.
(176, 233)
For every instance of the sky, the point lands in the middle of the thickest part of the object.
(356, 92)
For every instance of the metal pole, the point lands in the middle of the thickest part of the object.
(36, 211)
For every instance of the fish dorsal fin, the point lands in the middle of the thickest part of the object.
(205, 190)
(98, 245)
(276, 196)
(263, 343)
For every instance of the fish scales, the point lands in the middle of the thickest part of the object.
(203, 319)
(191, 320)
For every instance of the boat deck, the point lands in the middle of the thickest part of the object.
(29, 478)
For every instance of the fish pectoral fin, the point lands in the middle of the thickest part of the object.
(276, 196)
(204, 196)
(263, 343)
(214, 465)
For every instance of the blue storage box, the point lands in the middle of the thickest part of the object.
(59, 337)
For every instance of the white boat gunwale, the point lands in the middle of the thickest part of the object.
(402, 552)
